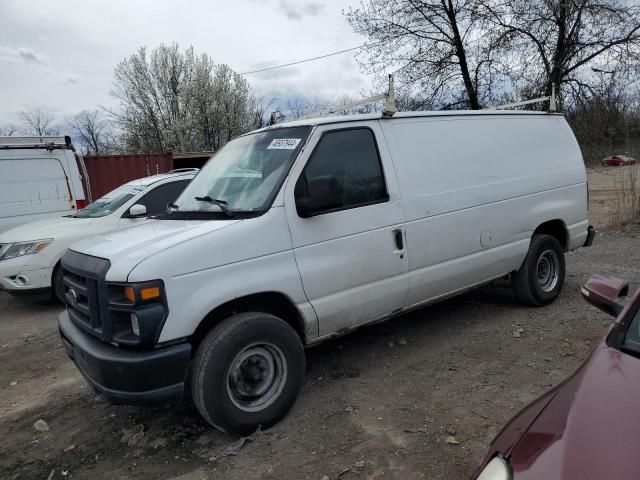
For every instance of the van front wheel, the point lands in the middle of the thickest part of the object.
(247, 372)
(540, 278)
(57, 284)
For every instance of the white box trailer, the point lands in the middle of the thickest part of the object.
(39, 178)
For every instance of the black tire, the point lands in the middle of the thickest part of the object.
(56, 284)
(530, 284)
(237, 353)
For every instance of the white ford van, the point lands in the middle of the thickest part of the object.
(39, 179)
(302, 231)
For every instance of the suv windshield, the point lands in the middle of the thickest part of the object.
(244, 176)
(109, 203)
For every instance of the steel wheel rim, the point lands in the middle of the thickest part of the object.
(256, 376)
(548, 271)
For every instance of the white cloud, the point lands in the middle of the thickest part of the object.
(297, 10)
(71, 79)
(64, 78)
(19, 55)
(69, 68)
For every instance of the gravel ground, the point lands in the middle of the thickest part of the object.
(378, 403)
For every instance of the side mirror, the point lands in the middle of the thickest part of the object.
(324, 193)
(137, 210)
(609, 294)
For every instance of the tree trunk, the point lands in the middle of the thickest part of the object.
(557, 62)
(469, 87)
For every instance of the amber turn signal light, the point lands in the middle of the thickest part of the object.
(130, 294)
(150, 293)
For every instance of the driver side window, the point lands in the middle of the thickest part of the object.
(345, 170)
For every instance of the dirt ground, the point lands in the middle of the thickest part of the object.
(604, 185)
(378, 403)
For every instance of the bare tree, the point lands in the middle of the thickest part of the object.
(94, 133)
(606, 119)
(177, 100)
(299, 107)
(467, 53)
(38, 122)
(559, 42)
(8, 130)
(438, 46)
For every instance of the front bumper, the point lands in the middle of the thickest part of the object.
(130, 377)
(18, 277)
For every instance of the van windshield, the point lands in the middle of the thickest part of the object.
(109, 203)
(244, 176)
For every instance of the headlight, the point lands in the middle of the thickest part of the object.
(137, 311)
(19, 249)
(496, 469)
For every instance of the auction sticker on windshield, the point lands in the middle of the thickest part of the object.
(284, 144)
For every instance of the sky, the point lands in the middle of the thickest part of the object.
(60, 55)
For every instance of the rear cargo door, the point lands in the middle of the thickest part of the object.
(30, 187)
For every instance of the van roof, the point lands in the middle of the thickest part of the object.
(376, 116)
(146, 181)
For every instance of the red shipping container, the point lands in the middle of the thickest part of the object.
(107, 172)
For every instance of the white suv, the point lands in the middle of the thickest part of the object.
(30, 254)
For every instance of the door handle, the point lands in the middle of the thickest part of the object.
(397, 235)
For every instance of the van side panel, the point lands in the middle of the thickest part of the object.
(475, 188)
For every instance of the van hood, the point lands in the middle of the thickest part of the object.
(46, 228)
(132, 245)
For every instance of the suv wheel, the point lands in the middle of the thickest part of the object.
(247, 372)
(541, 276)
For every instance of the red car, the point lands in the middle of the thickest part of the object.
(588, 427)
(617, 160)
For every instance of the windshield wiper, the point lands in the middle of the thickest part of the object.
(220, 203)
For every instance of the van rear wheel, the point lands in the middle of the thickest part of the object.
(539, 279)
(247, 372)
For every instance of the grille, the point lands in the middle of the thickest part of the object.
(80, 296)
(86, 292)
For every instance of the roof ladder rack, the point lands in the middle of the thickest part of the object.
(389, 104)
(551, 99)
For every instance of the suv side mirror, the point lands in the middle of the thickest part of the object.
(609, 294)
(137, 210)
(324, 193)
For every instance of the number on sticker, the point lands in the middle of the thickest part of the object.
(283, 144)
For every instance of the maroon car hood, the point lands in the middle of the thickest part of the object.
(591, 428)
